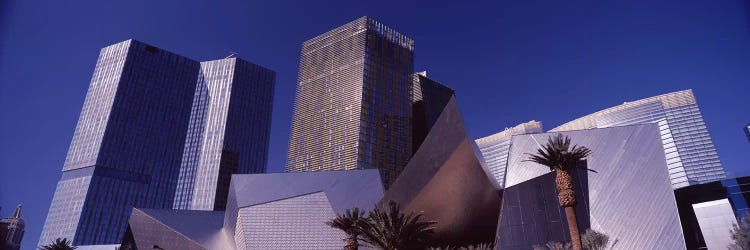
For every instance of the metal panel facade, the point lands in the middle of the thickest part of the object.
(292, 223)
(691, 156)
(495, 148)
(630, 198)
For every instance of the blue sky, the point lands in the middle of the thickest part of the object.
(509, 62)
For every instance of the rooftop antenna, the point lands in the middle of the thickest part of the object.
(231, 54)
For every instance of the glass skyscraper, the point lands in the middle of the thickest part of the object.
(353, 104)
(128, 145)
(228, 131)
(691, 156)
(495, 148)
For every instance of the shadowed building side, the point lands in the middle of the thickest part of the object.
(445, 181)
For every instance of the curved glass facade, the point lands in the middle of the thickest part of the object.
(691, 156)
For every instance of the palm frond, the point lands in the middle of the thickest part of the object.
(558, 155)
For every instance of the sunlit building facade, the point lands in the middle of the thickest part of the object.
(228, 133)
(494, 148)
(148, 114)
(127, 146)
(691, 156)
(353, 103)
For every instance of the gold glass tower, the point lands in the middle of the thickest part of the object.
(353, 102)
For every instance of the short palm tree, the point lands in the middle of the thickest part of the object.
(349, 222)
(59, 244)
(389, 229)
(561, 158)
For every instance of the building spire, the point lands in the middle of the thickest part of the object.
(17, 213)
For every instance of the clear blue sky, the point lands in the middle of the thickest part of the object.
(509, 62)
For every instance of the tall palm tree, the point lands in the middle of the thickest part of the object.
(561, 158)
(349, 222)
(59, 244)
(389, 229)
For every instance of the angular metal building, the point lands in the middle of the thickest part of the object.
(629, 198)
(353, 103)
(494, 148)
(445, 181)
(264, 211)
(691, 156)
(428, 102)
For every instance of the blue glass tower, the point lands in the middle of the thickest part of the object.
(228, 132)
(127, 145)
(153, 119)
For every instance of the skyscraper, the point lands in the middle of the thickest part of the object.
(495, 148)
(354, 102)
(228, 132)
(11, 230)
(691, 156)
(128, 145)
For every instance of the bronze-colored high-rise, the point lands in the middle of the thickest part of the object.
(353, 105)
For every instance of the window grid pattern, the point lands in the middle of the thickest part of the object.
(65, 210)
(495, 148)
(128, 142)
(230, 119)
(691, 156)
(353, 102)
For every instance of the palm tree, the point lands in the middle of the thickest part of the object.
(349, 222)
(389, 229)
(741, 233)
(593, 240)
(59, 244)
(561, 158)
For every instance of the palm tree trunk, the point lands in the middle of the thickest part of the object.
(352, 243)
(567, 199)
(575, 236)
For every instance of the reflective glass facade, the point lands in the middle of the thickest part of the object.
(495, 148)
(228, 132)
(127, 145)
(353, 103)
(158, 130)
(691, 156)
